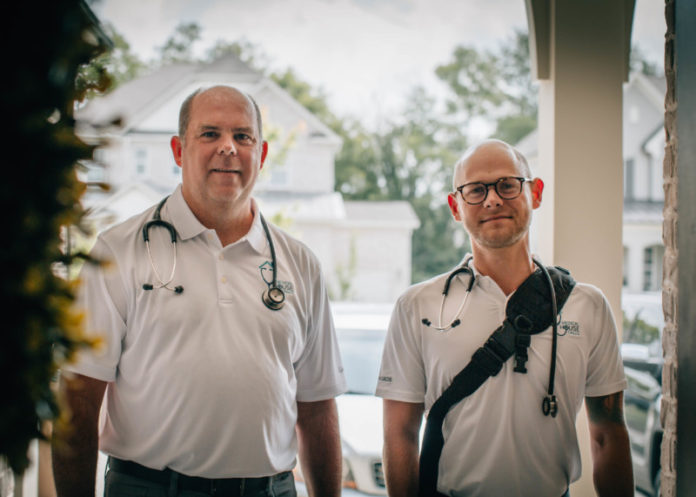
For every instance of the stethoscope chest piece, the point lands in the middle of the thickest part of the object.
(273, 298)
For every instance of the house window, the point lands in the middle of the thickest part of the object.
(629, 179)
(652, 268)
(625, 266)
(140, 161)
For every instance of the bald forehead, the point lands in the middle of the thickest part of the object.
(491, 156)
(223, 93)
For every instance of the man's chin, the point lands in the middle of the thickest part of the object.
(500, 241)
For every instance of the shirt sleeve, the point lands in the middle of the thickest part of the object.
(102, 300)
(605, 374)
(402, 372)
(319, 370)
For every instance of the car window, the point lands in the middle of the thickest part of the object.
(643, 318)
(361, 352)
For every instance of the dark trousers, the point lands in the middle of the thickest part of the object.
(122, 484)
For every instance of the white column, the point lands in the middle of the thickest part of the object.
(579, 225)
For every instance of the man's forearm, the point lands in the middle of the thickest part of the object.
(402, 421)
(612, 470)
(75, 438)
(320, 447)
(401, 467)
(611, 449)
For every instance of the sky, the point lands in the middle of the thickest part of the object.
(364, 54)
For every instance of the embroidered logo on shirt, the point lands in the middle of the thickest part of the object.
(569, 328)
(286, 286)
(266, 270)
(385, 379)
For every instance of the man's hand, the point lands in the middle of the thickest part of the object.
(320, 447)
(611, 450)
(402, 421)
(75, 437)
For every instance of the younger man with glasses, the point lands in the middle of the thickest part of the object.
(498, 440)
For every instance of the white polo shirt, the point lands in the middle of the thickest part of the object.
(206, 382)
(497, 440)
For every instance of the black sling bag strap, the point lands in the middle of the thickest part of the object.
(529, 311)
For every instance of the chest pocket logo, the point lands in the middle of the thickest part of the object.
(266, 270)
(569, 328)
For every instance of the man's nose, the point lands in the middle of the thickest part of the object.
(227, 146)
(492, 198)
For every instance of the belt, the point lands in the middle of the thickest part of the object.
(224, 486)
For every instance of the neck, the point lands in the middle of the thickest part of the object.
(507, 266)
(230, 221)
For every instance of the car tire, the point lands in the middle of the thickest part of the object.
(656, 483)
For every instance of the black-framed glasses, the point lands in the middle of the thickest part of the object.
(507, 188)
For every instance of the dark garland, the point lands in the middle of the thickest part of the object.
(44, 46)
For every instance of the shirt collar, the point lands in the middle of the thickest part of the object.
(188, 226)
(256, 236)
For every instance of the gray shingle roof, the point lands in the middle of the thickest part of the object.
(131, 97)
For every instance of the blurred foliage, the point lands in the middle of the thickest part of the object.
(41, 195)
(636, 330)
(494, 84)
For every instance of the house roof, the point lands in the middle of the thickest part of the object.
(132, 103)
(383, 214)
(330, 207)
(130, 98)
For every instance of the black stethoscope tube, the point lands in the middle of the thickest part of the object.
(273, 297)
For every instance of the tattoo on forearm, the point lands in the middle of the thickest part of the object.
(606, 409)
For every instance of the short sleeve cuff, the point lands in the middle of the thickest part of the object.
(323, 394)
(607, 389)
(401, 395)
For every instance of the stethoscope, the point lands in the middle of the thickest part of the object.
(273, 297)
(549, 405)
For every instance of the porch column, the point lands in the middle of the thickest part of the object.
(580, 50)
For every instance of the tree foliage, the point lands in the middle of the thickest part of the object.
(40, 329)
(494, 84)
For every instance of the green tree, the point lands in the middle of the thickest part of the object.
(495, 85)
(179, 46)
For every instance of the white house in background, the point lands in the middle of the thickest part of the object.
(643, 155)
(364, 247)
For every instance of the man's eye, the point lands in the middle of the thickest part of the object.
(507, 185)
(244, 138)
(209, 134)
(475, 190)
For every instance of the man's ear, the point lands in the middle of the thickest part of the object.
(177, 149)
(264, 153)
(537, 187)
(454, 207)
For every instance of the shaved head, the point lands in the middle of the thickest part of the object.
(518, 158)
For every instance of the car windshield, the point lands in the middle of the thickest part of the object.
(361, 352)
(643, 320)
